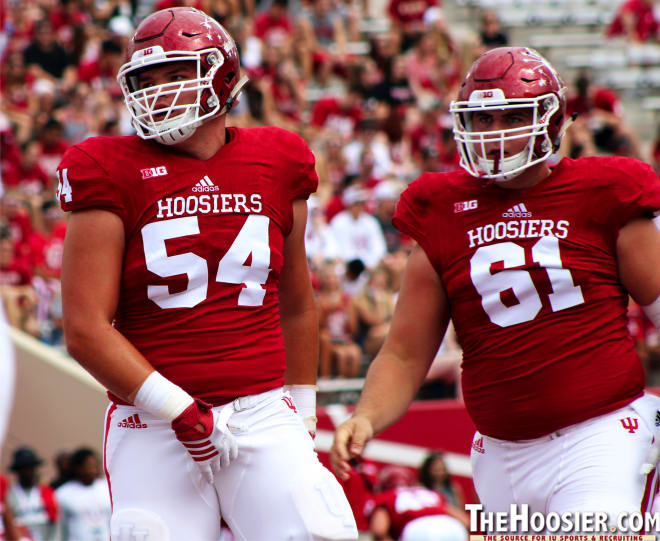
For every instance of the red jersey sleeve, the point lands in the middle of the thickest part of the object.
(85, 184)
(301, 164)
(411, 215)
(633, 189)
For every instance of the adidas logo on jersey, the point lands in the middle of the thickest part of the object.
(132, 422)
(478, 445)
(205, 185)
(657, 418)
(517, 211)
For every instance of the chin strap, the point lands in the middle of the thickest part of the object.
(562, 131)
(233, 96)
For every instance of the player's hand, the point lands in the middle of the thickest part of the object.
(206, 436)
(350, 438)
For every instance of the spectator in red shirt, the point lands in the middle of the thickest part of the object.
(31, 178)
(636, 20)
(359, 489)
(339, 116)
(48, 243)
(599, 110)
(101, 73)
(406, 511)
(274, 26)
(14, 270)
(408, 18)
(53, 147)
(16, 292)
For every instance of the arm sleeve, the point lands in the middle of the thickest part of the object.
(84, 184)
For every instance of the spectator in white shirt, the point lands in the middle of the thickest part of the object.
(32, 504)
(85, 500)
(358, 233)
(320, 243)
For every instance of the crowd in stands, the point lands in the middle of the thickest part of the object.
(74, 506)
(370, 99)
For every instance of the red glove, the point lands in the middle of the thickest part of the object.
(207, 438)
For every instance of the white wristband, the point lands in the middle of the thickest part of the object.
(160, 397)
(304, 397)
(652, 312)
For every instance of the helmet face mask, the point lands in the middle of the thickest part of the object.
(508, 79)
(473, 144)
(171, 112)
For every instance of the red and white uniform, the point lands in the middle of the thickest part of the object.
(204, 240)
(413, 509)
(531, 278)
(199, 299)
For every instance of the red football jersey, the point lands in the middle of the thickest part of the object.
(407, 504)
(531, 278)
(204, 250)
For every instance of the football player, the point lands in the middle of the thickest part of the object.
(186, 293)
(534, 265)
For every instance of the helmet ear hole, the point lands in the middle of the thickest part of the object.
(229, 77)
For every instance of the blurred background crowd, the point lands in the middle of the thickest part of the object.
(75, 504)
(365, 82)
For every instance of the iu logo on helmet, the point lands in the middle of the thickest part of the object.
(630, 424)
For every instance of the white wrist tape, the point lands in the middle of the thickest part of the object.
(160, 397)
(304, 397)
(652, 312)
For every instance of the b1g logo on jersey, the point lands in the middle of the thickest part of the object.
(151, 172)
(465, 205)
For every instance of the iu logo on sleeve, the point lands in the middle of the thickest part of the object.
(630, 424)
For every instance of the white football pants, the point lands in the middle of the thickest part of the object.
(276, 489)
(590, 466)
